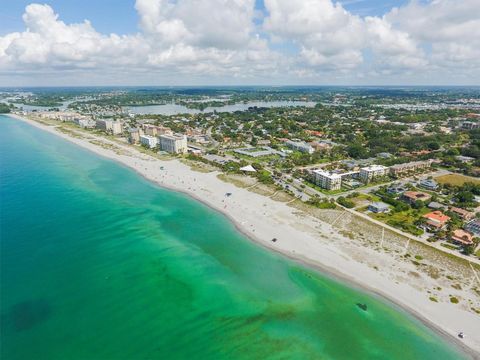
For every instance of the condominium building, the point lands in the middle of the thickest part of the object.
(176, 144)
(470, 125)
(134, 135)
(300, 146)
(154, 130)
(150, 141)
(85, 123)
(327, 180)
(113, 127)
(403, 169)
(371, 172)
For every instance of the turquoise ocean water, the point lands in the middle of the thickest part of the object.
(97, 263)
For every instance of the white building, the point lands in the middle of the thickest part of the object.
(327, 180)
(371, 172)
(300, 146)
(176, 144)
(150, 141)
(85, 123)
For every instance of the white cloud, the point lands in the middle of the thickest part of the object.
(451, 28)
(219, 39)
(328, 35)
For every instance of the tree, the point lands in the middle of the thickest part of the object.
(433, 145)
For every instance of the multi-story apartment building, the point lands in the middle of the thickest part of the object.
(134, 135)
(299, 146)
(327, 180)
(154, 130)
(403, 169)
(113, 127)
(150, 141)
(371, 172)
(175, 144)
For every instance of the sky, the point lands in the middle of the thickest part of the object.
(239, 42)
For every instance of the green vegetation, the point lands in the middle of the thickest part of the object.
(322, 203)
(346, 202)
(456, 179)
(4, 108)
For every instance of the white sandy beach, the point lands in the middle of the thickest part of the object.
(303, 238)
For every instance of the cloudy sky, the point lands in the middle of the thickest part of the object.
(230, 42)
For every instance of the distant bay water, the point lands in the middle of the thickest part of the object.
(174, 109)
(97, 263)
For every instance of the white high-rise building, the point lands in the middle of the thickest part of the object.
(371, 172)
(150, 141)
(175, 144)
(300, 146)
(327, 180)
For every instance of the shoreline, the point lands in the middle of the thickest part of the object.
(304, 249)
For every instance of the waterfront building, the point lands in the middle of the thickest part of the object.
(379, 207)
(134, 135)
(327, 180)
(436, 220)
(154, 130)
(371, 172)
(300, 146)
(110, 126)
(462, 237)
(85, 123)
(175, 144)
(150, 141)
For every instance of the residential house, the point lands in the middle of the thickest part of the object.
(437, 206)
(379, 207)
(428, 184)
(473, 226)
(462, 237)
(464, 214)
(465, 159)
(436, 220)
(396, 189)
(412, 196)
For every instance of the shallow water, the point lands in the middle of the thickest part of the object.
(97, 263)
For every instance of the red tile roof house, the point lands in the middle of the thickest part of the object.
(464, 214)
(412, 196)
(436, 220)
(462, 237)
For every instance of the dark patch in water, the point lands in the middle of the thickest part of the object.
(362, 306)
(27, 314)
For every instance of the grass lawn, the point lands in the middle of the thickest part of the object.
(324, 191)
(403, 220)
(456, 179)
